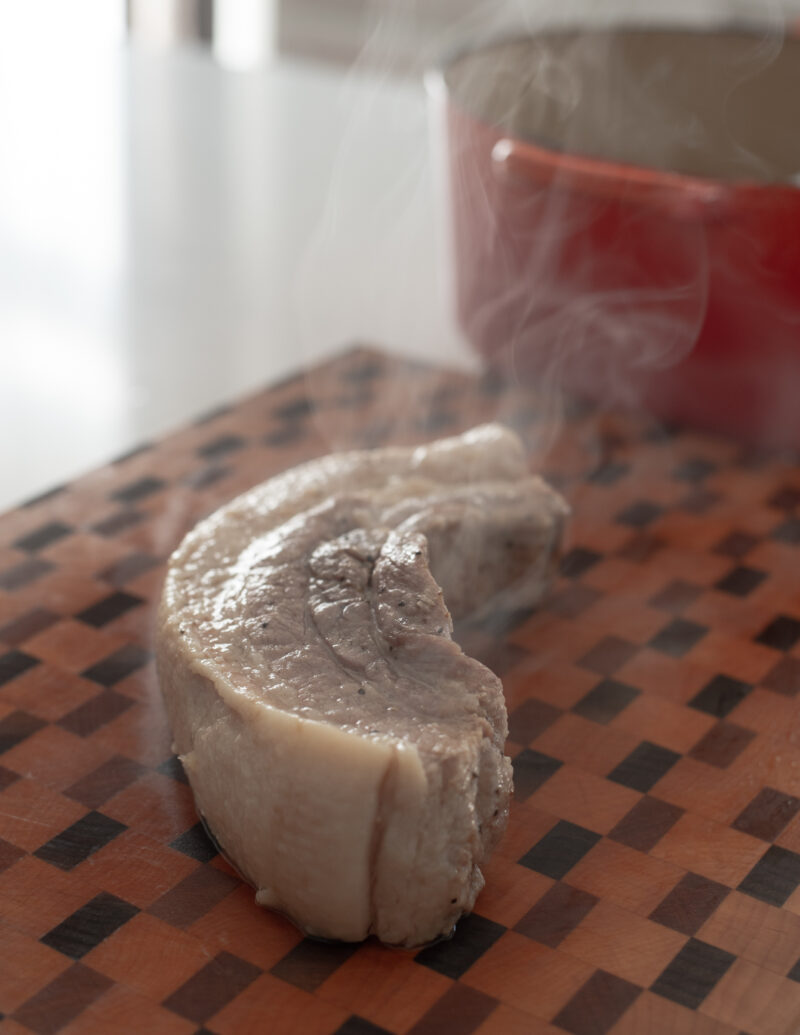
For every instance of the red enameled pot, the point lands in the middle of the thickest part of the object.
(625, 218)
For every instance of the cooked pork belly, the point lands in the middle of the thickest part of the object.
(345, 752)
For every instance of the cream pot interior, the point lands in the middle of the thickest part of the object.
(722, 104)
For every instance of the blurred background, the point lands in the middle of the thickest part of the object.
(198, 197)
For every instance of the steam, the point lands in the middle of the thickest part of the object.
(543, 292)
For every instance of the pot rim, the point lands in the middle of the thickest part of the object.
(703, 190)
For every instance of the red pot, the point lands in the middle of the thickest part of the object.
(642, 265)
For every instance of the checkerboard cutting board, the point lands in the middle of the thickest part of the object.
(649, 881)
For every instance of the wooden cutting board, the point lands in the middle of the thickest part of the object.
(649, 881)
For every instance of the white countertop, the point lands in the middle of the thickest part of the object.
(173, 235)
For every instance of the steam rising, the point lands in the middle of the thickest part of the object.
(544, 292)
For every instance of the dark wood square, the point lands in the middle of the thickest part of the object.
(693, 973)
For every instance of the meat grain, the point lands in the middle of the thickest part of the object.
(346, 753)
